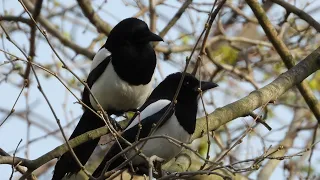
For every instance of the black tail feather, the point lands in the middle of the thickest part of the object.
(66, 165)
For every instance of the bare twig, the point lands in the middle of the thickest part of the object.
(302, 14)
(18, 167)
(175, 18)
(12, 109)
(55, 32)
(285, 54)
(14, 155)
(208, 25)
(313, 142)
(33, 28)
(94, 18)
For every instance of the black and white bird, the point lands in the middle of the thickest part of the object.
(121, 79)
(178, 123)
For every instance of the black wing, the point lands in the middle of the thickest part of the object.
(130, 135)
(93, 76)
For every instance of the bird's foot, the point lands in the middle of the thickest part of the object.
(116, 125)
(157, 164)
(155, 158)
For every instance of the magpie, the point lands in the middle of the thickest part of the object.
(120, 78)
(177, 121)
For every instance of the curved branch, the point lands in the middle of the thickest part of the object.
(18, 167)
(303, 15)
(56, 33)
(93, 17)
(285, 55)
(217, 118)
(262, 96)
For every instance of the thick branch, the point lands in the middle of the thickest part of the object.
(15, 19)
(93, 17)
(262, 96)
(285, 54)
(18, 167)
(219, 117)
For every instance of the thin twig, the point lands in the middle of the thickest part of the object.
(302, 14)
(12, 109)
(35, 14)
(212, 17)
(314, 136)
(14, 155)
(285, 54)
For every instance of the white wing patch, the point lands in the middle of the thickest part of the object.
(150, 110)
(99, 57)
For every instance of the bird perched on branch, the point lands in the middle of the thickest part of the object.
(160, 116)
(120, 79)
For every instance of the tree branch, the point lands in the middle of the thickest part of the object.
(175, 18)
(217, 118)
(93, 17)
(56, 33)
(32, 50)
(303, 15)
(260, 97)
(285, 54)
(15, 19)
(287, 142)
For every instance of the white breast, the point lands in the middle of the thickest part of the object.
(162, 147)
(114, 93)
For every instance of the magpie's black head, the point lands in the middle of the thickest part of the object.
(189, 90)
(131, 31)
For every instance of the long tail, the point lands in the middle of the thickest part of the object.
(66, 165)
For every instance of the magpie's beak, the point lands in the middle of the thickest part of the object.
(206, 85)
(152, 37)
